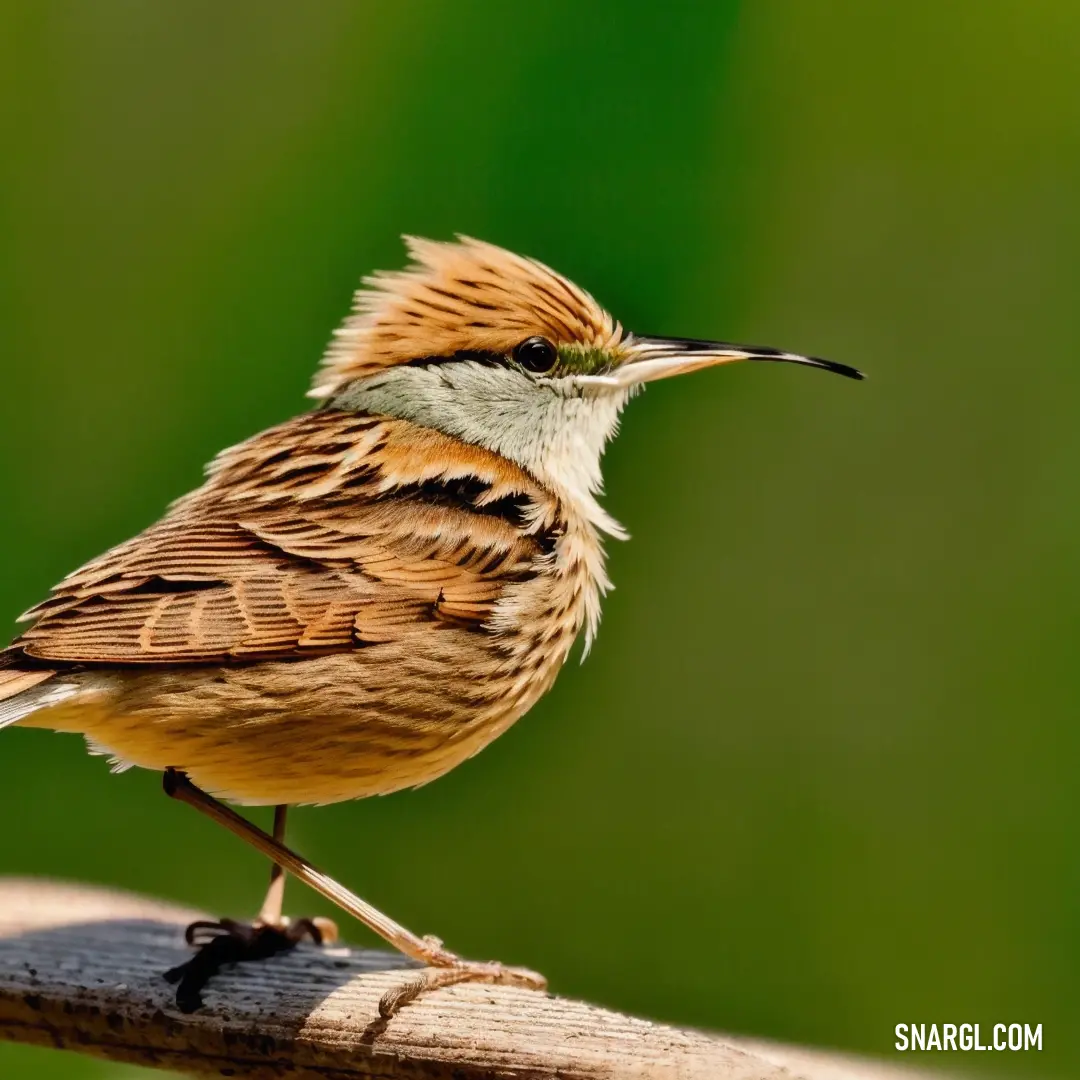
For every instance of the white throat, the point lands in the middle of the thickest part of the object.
(553, 428)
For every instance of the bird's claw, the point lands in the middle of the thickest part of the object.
(229, 941)
(458, 971)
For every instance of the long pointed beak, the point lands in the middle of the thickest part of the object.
(657, 358)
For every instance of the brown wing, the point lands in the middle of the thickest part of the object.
(323, 534)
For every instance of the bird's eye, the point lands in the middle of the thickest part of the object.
(536, 354)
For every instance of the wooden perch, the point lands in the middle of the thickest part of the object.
(81, 969)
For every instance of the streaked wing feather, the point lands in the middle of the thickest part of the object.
(320, 535)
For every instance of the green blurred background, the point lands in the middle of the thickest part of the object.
(818, 776)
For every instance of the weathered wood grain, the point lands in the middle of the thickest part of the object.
(81, 969)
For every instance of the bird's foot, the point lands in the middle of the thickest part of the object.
(231, 942)
(448, 970)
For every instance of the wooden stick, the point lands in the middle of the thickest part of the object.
(81, 969)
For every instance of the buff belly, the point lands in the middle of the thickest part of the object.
(310, 731)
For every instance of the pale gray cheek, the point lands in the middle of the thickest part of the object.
(546, 425)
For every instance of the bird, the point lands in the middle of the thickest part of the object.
(359, 599)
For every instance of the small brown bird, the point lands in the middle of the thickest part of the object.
(360, 598)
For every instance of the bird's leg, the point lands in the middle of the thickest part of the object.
(321, 930)
(426, 950)
(270, 912)
(229, 941)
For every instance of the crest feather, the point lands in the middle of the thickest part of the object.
(465, 295)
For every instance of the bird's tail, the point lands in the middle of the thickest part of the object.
(24, 690)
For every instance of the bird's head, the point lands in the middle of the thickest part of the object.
(500, 350)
